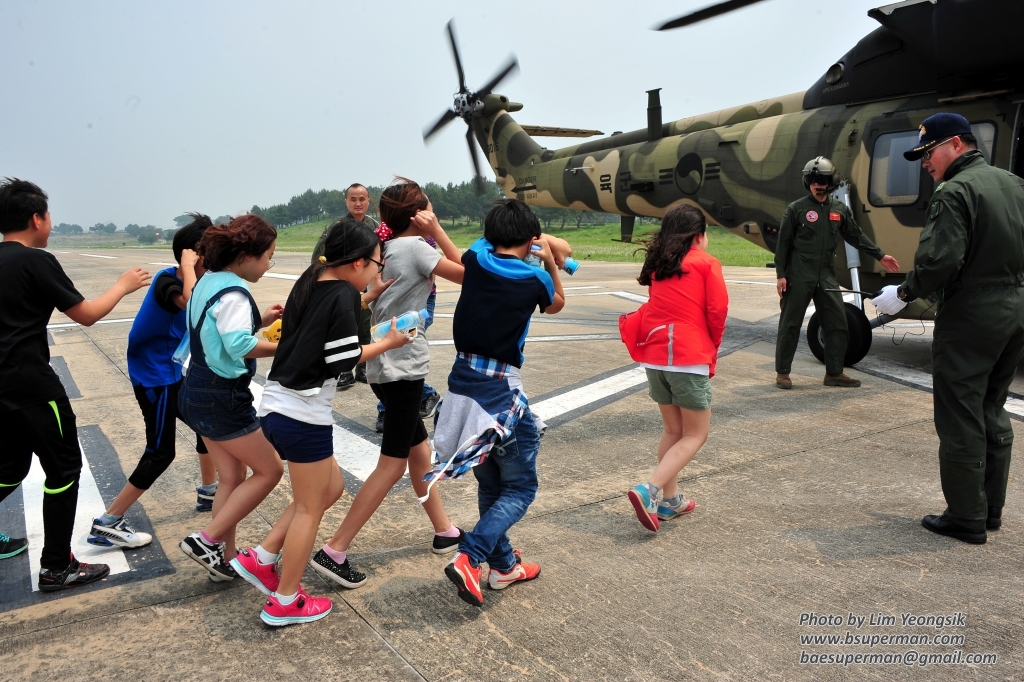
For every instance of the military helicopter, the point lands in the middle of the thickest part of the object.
(741, 166)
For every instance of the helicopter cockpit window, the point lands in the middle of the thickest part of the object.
(896, 181)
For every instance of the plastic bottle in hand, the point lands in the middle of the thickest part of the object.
(568, 268)
(407, 323)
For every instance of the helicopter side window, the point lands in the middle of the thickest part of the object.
(896, 181)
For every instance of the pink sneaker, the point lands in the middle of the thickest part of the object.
(305, 609)
(263, 577)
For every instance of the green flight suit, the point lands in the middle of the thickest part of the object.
(805, 255)
(972, 251)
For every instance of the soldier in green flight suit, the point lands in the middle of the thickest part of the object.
(810, 231)
(971, 254)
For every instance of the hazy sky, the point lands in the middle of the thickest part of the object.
(138, 111)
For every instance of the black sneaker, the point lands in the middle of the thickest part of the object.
(361, 373)
(346, 381)
(11, 546)
(210, 557)
(74, 575)
(341, 574)
(443, 545)
(379, 425)
(204, 497)
(428, 405)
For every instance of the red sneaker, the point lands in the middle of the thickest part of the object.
(521, 572)
(263, 577)
(467, 578)
(305, 609)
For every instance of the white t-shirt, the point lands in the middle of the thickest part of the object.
(703, 370)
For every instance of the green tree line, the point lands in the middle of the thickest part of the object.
(452, 203)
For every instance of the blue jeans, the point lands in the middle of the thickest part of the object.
(508, 484)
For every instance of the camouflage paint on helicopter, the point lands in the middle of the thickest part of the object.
(741, 166)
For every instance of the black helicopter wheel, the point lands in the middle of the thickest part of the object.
(860, 336)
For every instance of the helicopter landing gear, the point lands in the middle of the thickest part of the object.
(860, 335)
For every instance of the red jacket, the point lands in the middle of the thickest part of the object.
(683, 322)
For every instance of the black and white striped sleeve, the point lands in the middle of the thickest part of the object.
(341, 349)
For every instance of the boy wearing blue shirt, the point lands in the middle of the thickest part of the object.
(156, 333)
(499, 295)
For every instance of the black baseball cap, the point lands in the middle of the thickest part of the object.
(935, 129)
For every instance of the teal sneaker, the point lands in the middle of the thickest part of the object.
(667, 511)
(645, 506)
(11, 546)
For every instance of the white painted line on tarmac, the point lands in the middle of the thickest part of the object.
(919, 378)
(543, 339)
(93, 255)
(354, 454)
(65, 325)
(628, 295)
(580, 397)
(909, 375)
(169, 265)
(90, 503)
(747, 281)
(589, 286)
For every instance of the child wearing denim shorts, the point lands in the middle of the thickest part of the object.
(215, 399)
(675, 336)
(319, 343)
(485, 396)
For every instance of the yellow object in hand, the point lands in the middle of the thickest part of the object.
(273, 332)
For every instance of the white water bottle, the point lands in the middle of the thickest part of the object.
(407, 323)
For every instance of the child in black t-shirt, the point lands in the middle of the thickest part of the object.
(485, 420)
(319, 342)
(156, 379)
(35, 414)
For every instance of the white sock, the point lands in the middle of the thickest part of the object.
(285, 601)
(264, 557)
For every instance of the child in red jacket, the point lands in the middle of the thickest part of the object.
(675, 336)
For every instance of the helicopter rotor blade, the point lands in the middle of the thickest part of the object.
(511, 67)
(477, 178)
(706, 13)
(445, 119)
(455, 53)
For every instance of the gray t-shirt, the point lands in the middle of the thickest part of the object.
(411, 262)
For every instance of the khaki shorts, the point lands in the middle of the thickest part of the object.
(689, 391)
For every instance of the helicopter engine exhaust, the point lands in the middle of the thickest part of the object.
(654, 115)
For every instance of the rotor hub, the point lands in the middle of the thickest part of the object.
(466, 104)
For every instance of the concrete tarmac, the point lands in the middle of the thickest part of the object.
(808, 519)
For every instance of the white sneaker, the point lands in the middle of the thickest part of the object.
(118, 535)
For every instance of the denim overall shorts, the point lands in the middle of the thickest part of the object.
(213, 406)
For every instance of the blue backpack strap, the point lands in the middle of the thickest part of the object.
(195, 344)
